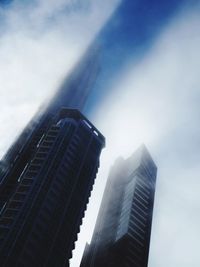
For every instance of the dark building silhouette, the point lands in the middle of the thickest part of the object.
(122, 233)
(43, 204)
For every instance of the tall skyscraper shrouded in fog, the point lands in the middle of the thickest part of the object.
(121, 236)
(43, 206)
(124, 38)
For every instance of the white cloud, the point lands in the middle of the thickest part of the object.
(157, 102)
(40, 42)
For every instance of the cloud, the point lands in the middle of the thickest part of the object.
(40, 41)
(157, 102)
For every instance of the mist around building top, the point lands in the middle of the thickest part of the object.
(155, 102)
(40, 42)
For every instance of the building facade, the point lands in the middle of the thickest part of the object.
(40, 217)
(122, 233)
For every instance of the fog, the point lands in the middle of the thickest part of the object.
(157, 103)
(40, 42)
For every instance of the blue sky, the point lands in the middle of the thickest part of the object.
(148, 92)
(128, 36)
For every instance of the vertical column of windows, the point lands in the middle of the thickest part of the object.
(138, 221)
(126, 209)
(26, 180)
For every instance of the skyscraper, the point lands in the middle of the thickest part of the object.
(41, 215)
(121, 236)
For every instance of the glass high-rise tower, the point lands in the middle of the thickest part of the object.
(41, 215)
(122, 233)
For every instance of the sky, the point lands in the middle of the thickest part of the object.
(153, 100)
